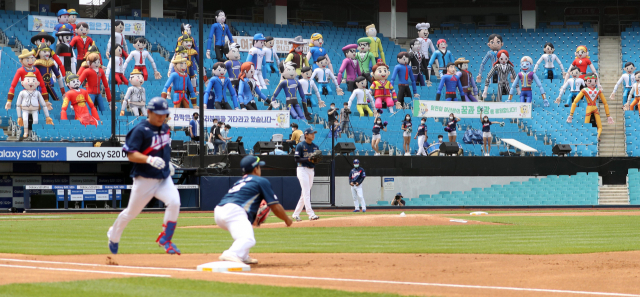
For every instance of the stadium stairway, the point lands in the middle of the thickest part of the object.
(613, 136)
(614, 195)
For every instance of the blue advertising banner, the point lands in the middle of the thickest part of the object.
(33, 154)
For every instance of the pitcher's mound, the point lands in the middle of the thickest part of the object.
(365, 220)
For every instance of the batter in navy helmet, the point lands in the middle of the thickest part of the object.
(148, 147)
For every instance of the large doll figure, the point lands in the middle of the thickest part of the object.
(350, 65)
(296, 57)
(291, 87)
(633, 94)
(442, 55)
(591, 93)
(469, 88)
(325, 77)
(94, 75)
(186, 51)
(376, 43)
(120, 40)
(65, 51)
(73, 17)
(28, 60)
(308, 85)
(248, 88)
(63, 19)
(139, 56)
(450, 82)
(581, 62)
(365, 58)
(120, 78)
(217, 88)
(81, 103)
(136, 97)
(47, 68)
(549, 66)
(382, 89)
(218, 31)
(186, 29)
(628, 79)
(256, 56)
(81, 43)
(270, 56)
(425, 46)
(418, 63)
(233, 65)
(316, 51)
(404, 75)
(503, 68)
(29, 102)
(46, 39)
(574, 83)
(527, 77)
(495, 44)
(181, 84)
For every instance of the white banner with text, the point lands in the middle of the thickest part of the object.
(442, 109)
(180, 117)
(280, 45)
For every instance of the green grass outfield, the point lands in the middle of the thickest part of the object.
(65, 234)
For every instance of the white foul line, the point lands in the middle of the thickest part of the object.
(99, 265)
(89, 271)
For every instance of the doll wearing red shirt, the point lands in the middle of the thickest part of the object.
(81, 43)
(93, 76)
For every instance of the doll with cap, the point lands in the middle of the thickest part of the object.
(46, 39)
(120, 40)
(469, 88)
(365, 58)
(376, 43)
(63, 19)
(316, 51)
(256, 56)
(73, 17)
(28, 60)
(350, 65)
(526, 78)
(136, 97)
(65, 51)
(591, 94)
(426, 45)
(29, 102)
(49, 70)
(296, 55)
(181, 84)
(80, 101)
(139, 56)
(382, 88)
(442, 55)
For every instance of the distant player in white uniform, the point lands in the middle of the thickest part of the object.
(148, 146)
(356, 177)
(305, 172)
(238, 210)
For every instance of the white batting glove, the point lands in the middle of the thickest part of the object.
(156, 162)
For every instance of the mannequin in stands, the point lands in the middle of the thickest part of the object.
(85, 65)
(575, 84)
(63, 19)
(419, 63)
(309, 85)
(181, 52)
(526, 77)
(270, 56)
(503, 68)
(120, 78)
(591, 93)
(181, 84)
(382, 89)
(365, 58)
(44, 37)
(316, 51)
(135, 97)
(628, 79)
(139, 56)
(65, 51)
(80, 100)
(47, 68)
(325, 77)
(363, 98)
(450, 82)
(217, 88)
(28, 61)
(192, 59)
(404, 75)
(81, 42)
(296, 56)
(73, 17)
(376, 43)
(186, 29)
(582, 61)
(350, 65)
(256, 56)
(634, 94)
(425, 46)
(120, 40)
(233, 65)
(29, 102)
(494, 42)
(94, 76)
(217, 33)
(549, 58)
(442, 55)
(248, 88)
(291, 87)
(469, 88)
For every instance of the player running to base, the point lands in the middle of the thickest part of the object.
(306, 156)
(356, 177)
(148, 146)
(240, 208)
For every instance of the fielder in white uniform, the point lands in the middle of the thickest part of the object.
(136, 96)
(305, 172)
(148, 146)
(29, 103)
(356, 177)
(238, 209)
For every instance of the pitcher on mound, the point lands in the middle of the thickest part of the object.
(306, 156)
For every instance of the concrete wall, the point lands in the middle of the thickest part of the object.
(275, 14)
(156, 8)
(528, 19)
(401, 24)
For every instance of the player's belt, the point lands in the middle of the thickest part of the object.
(451, 93)
(233, 79)
(292, 98)
(526, 88)
(404, 85)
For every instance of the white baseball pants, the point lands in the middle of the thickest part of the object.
(259, 79)
(233, 218)
(305, 176)
(141, 193)
(138, 109)
(356, 193)
(421, 151)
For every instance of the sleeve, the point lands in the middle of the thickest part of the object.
(153, 63)
(353, 95)
(484, 61)
(42, 103)
(14, 83)
(621, 80)
(433, 49)
(260, 94)
(535, 69)
(313, 74)
(278, 89)
(109, 46)
(126, 99)
(342, 68)
(289, 58)
(433, 59)
(250, 56)
(241, 92)
(575, 102)
(19, 105)
(42, 85)
(232, 91)
(392, 79)
(333, 77)
(487, 81)
(108, 71)
(604, 102)
(513, 72)
(60, 64)
(514, 85)
(126, 62)
(106, 86)
(315, 89)
(207, 91)
(229, 34)
(133, 142)
(559, 63)
(459, 86)
(210, 37)
(381, 51)
(73, 42)
(63, 109)
(362, 177)
(413, 81)
(564, 87)
(440, 86)
(473, 83)
(537, 80)
(301, 90)
(299, 154)
(267, 193)
(168, 83)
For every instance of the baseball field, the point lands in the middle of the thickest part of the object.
(379, 253)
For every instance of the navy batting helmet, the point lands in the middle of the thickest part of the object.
(158, 105)
(356, 161)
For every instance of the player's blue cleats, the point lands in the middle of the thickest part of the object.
(164, 239)
(356, 210)
(171, 248)
(113, 247)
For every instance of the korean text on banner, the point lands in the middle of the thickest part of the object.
(180, 117)
(96, 26)
(442, 109)
(280, 45)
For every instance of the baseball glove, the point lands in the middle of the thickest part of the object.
(316, 157)
(263, 213)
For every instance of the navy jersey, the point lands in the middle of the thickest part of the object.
(357, 175)
(486, 126)
(248, 193)
(303, 151)
(422, 130)
(150, 141)
(452, 124)
(376, 128)
(407, 124)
